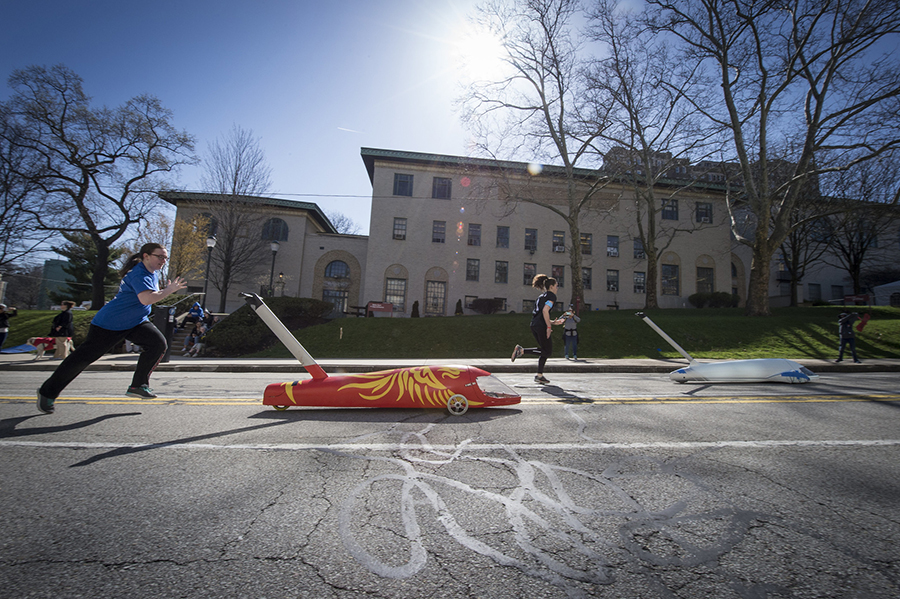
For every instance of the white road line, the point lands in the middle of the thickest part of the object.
(392, 447)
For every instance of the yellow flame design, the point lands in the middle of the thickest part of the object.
(422, 384)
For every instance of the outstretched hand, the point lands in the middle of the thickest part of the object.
(175, 285)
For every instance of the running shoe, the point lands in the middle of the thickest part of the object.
(540, 379)
(143, 392)
(517, 353)
(45, 404)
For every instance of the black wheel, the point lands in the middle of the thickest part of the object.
(280, 408)
(457, 405)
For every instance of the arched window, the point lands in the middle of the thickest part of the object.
(337, 270)
(275, 229)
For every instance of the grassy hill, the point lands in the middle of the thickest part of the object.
(709, 333)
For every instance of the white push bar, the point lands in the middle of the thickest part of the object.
(284, 335)
(662, 334)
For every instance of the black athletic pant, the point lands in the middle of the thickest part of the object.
(100, 341)
(545, 346)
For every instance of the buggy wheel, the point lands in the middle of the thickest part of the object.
(457, 405)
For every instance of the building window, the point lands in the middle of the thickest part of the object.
(474, 234)
(670, 209)
(640, 282)
(531, 240)
(559, 241)
(502, 237)
(403, 185)
(395, 293)
(670, 282)
(528, 273)
(340, 299)
(469, 300)
(612, 280)
(837, 292)
(440, 188)
(528, 306)
(586, 278)
(337, 269)
(639, 250)
(704, 212)
(815, 292)
(558, 273)
(612, 246)
(501, 302)
(275, 229)
(438, 231)
(473, 266)
(435, 297)
(400, 228)
(705, 280)
(212, 225)
(587, 244)
(501, 272)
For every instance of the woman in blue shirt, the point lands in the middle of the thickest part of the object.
(126, 316)
(541, 325)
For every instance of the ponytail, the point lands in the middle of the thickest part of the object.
(542, 282)
(147, 248)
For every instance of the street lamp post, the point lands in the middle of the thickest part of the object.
(210, 244)
(274, 245)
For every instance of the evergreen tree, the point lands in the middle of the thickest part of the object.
(81, 253)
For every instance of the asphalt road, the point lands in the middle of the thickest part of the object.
(597, 485)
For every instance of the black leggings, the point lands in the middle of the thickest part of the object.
(100, 341)
(545, 346)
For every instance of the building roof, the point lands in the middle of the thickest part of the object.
(370, 155)
(173, 197)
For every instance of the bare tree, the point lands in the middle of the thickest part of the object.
(343, 223)
(807, 80)
(95, 171)
(541, 109)
(19, 233)
(652, 125)
(865, 214)
(236, 170)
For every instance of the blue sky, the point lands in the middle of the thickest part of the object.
(315, 80)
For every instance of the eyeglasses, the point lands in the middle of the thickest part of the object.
(161, 257)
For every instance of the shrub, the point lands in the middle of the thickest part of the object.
(415, 310)
(243, 332)
(459, 308)
(717, 299)
(487, 305)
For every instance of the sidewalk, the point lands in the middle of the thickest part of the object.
(24, 362)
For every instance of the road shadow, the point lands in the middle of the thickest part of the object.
(121, 451)
(8, 426)
(385, 415)
(565, 396)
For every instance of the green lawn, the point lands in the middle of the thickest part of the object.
(709, 333)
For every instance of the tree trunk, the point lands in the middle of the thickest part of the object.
(98, 277)
(758, 292)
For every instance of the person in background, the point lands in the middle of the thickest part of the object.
(5, 315)
(570, 338)
(62, 328)
(541, 325)
(126, 316)
(847, 335)
(194, 315)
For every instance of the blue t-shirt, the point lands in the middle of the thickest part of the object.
(125, 311)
